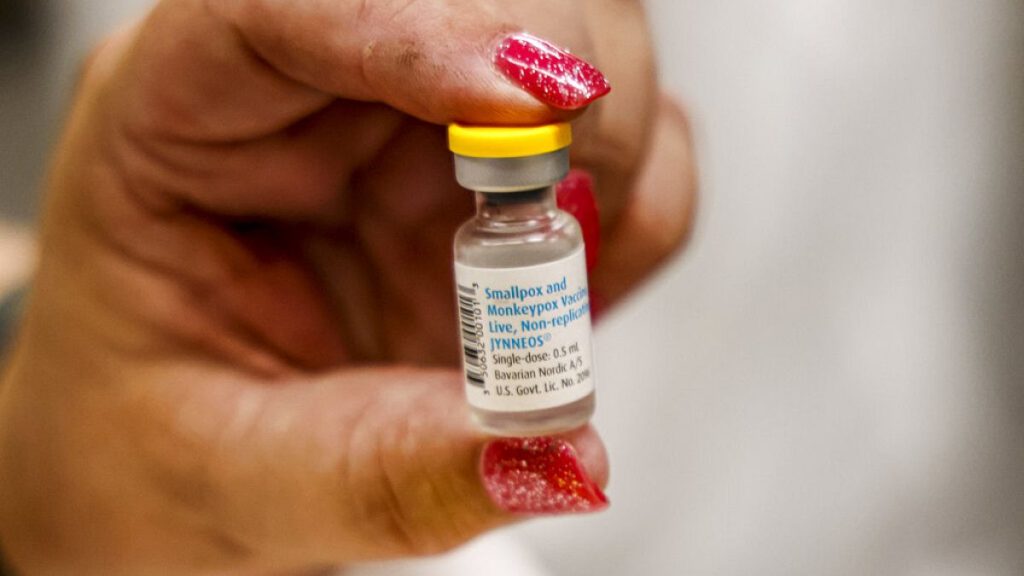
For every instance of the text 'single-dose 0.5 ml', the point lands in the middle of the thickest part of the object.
(521, 284)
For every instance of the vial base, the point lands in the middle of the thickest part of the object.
(537, 423)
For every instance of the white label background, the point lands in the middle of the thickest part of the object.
(554, 366)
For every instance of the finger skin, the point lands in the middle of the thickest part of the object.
(615, 135)
(221, 104)
(658, 216)
(400, 439)
(244, 68)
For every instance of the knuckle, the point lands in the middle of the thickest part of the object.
(688, 190)
(94, 67)
(170, 457)
(416, 499)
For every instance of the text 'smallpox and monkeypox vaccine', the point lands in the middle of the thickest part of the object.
(521, 282)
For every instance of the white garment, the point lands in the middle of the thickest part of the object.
(831, 380)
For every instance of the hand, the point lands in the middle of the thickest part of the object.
(246, 268)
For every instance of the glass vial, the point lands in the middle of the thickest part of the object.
(521, 284)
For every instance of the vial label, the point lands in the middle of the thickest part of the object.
(526, 334)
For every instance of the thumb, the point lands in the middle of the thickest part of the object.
(382, 463)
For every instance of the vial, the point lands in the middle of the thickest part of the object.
(521, 284)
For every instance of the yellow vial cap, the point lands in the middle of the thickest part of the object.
(508, 141)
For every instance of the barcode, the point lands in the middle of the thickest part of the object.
(473, 353)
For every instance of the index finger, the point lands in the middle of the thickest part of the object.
(236, 69)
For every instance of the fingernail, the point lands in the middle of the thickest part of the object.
(539, 476)
(551, 74)
(575, 195)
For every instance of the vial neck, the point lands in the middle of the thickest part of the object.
(516, 209)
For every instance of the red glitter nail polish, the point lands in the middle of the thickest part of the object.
(539, 476)
(576, 196)
(551, 74)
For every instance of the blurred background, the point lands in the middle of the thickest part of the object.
(831, 379)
